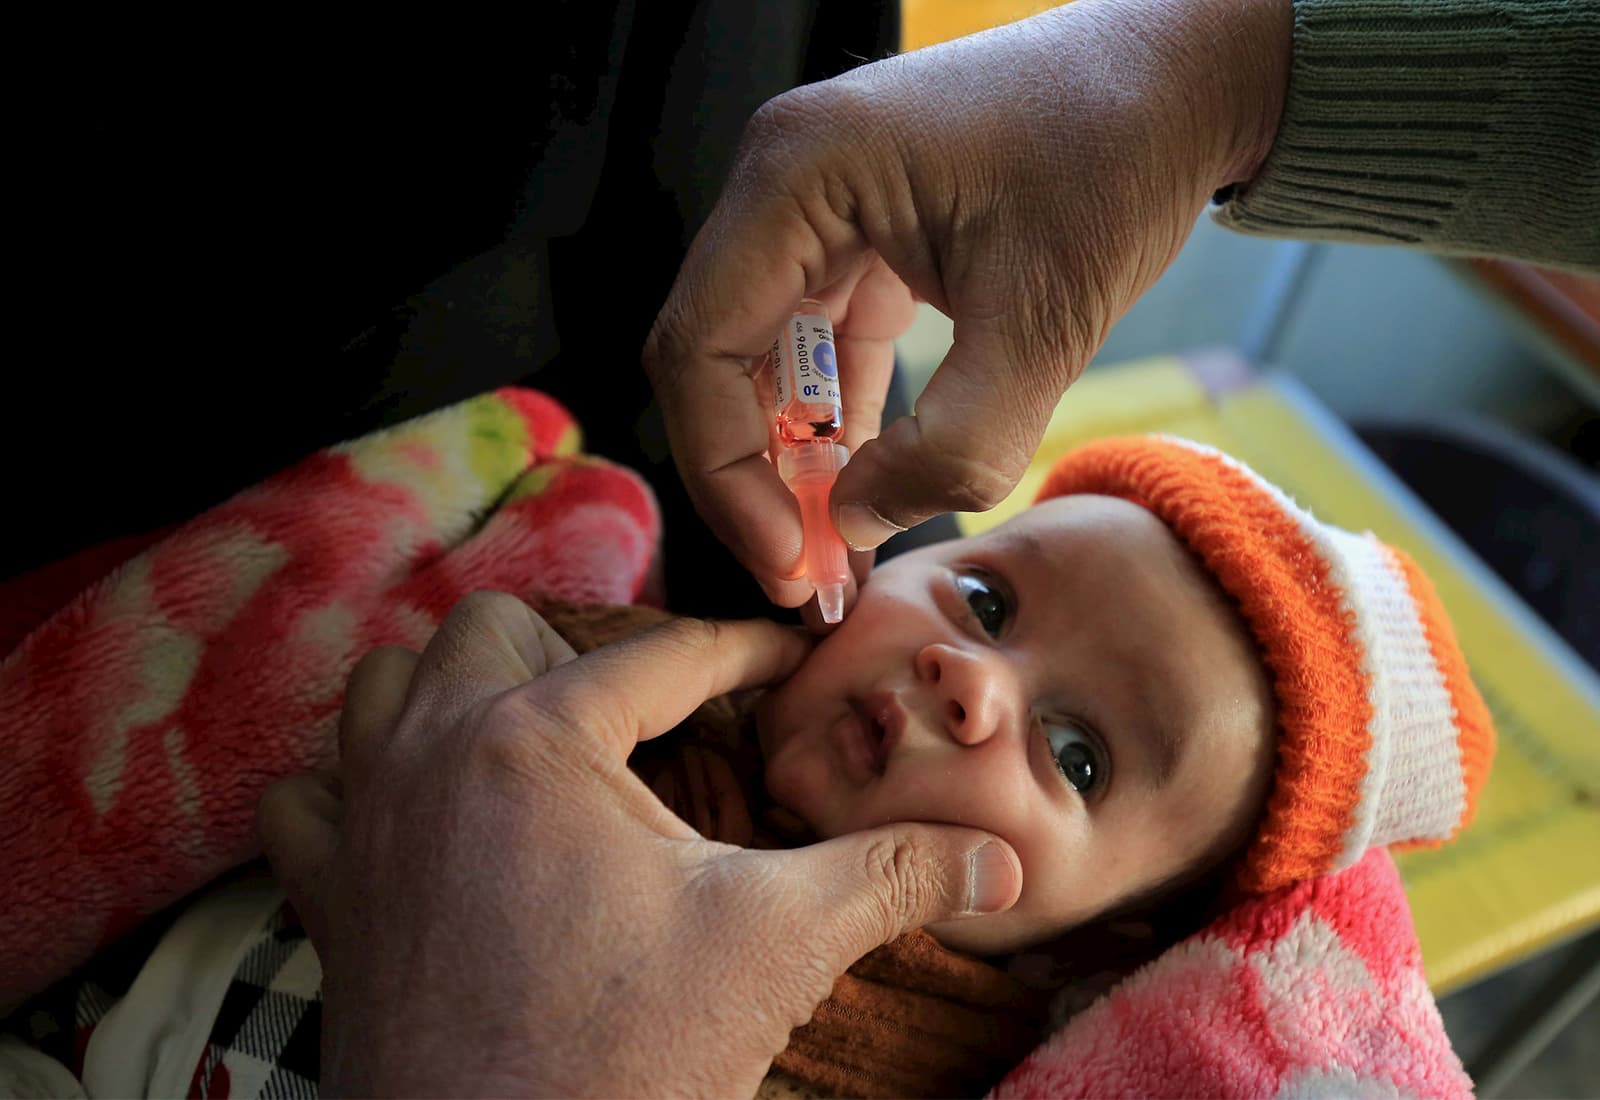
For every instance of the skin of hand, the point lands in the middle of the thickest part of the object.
(501, 907)
(1030, 182)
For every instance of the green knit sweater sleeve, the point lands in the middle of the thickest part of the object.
(1461, 126)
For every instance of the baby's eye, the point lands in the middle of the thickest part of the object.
(1076, 756)
(987, 601)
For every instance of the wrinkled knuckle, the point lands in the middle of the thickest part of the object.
(504, 716)
(977, 483)
(1083, 328)
(784, 119)
(766, 146)
(1060, 331)
(764, 128)
(504, 738)
(891, 870)
(795, 145)
(566, 708)
(689, 635)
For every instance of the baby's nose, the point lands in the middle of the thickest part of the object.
(969, 687)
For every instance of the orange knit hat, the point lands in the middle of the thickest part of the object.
(1382, 737)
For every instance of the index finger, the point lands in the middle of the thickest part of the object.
(643, 686)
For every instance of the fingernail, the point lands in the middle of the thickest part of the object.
(991, 880)
(863, 528)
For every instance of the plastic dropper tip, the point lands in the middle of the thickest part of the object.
(830, 600)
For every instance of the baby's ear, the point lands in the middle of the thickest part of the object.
(589, 626)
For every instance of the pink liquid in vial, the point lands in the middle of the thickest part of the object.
(803, 422)
(810, 422)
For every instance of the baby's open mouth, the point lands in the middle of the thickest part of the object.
(885, 721)
(874, 733)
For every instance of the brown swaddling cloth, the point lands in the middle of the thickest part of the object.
(915, 1019)
(910, 1018)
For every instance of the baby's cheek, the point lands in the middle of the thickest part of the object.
(1064, 881)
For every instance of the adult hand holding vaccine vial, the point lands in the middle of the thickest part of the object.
(809, 424)
(1029, 183)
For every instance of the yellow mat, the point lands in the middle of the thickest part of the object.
(924, 22)
(1526, 873)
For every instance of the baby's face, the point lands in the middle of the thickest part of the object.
(1070, 681)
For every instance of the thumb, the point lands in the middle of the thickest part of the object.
(874, 886)
(968, 440)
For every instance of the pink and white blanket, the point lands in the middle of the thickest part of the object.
(150, 701)
(1314, 991)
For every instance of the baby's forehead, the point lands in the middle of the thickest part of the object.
(1082, 523)
(1108, 551)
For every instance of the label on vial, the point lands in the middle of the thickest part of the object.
(804, 363)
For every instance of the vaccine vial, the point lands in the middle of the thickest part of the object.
(809, 425)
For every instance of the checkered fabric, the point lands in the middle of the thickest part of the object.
(60, 1020)
(266, 1041)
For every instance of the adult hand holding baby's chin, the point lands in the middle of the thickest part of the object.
(502, 907)
(1030, 182)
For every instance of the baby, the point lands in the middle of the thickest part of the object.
(1071, 681)
(1163, 678)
